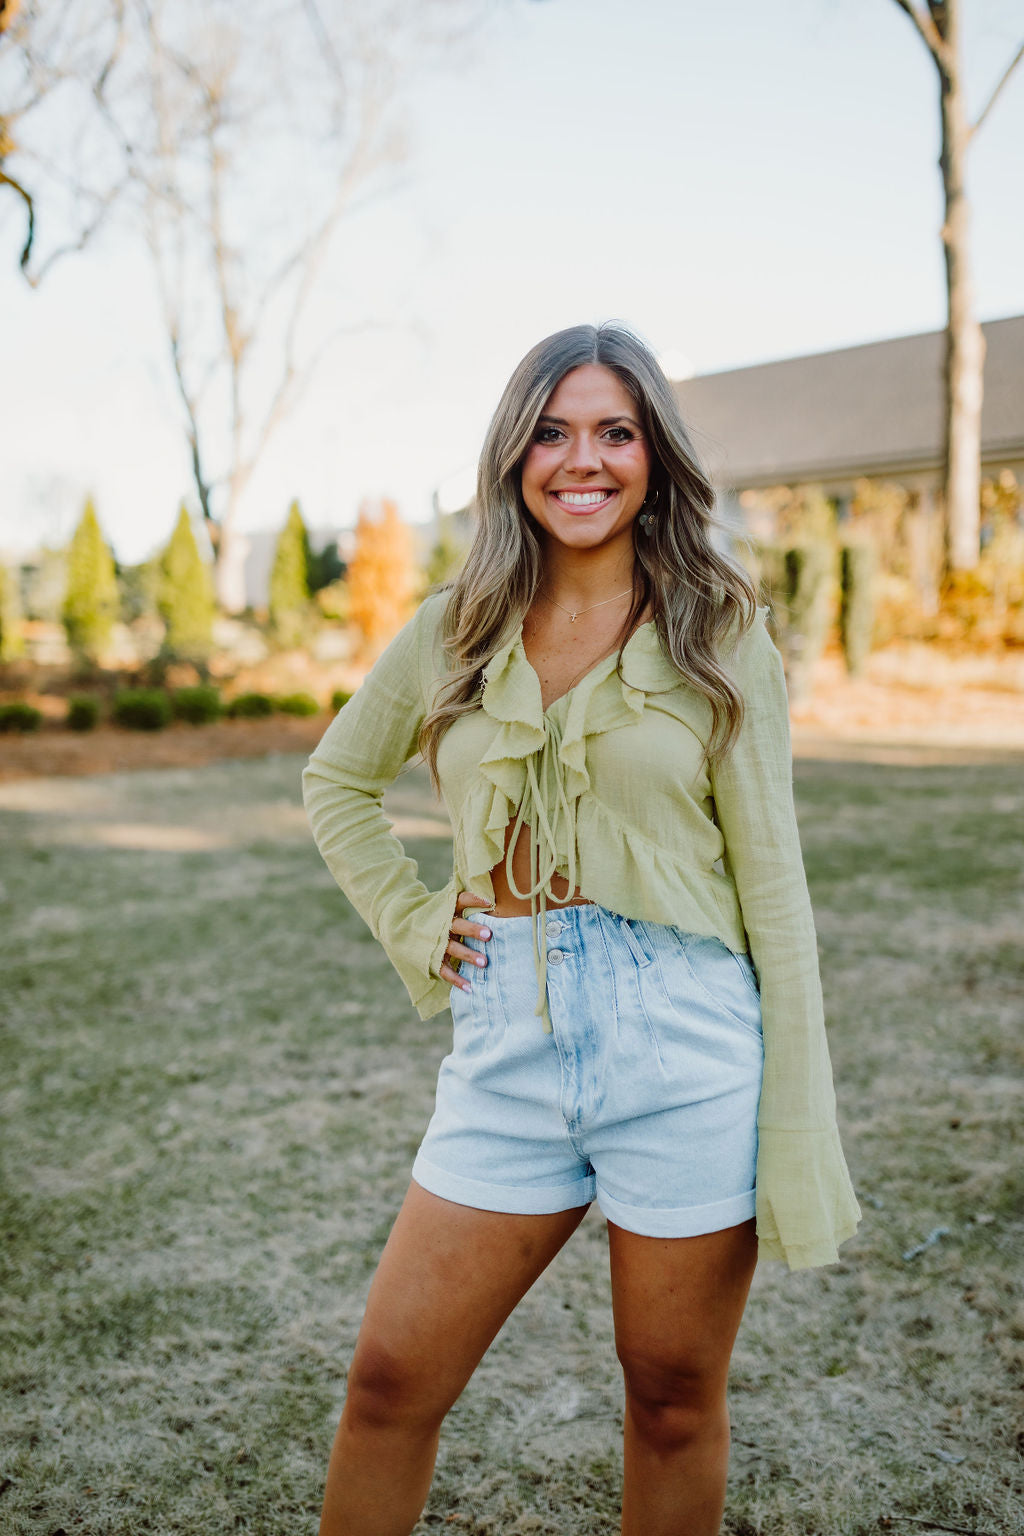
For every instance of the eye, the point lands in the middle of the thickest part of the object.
(620, 435)
(547, 435)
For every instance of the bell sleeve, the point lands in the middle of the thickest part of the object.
(805, 1201)
(360, 754)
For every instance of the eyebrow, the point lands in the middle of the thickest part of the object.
(606, 421)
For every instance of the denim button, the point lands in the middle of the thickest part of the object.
(554, 928)
(555, 956)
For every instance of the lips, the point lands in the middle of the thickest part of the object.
(583, 501)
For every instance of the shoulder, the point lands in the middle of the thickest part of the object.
(422, 633)
(413, 654)
(429, 616)
(743, 639)
(423, 639)
(750, 653)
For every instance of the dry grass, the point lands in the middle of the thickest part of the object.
(212, 1088)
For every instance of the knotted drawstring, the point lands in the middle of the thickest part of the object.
(547, 810)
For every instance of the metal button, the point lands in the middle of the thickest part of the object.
(554, 928)
(555, 956)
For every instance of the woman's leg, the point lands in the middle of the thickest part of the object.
(447, 1280)
(678, 1304)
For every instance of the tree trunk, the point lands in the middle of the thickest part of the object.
(965, 344)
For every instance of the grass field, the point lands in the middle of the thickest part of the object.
(211, 1090)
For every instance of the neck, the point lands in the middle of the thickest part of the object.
(579, 577)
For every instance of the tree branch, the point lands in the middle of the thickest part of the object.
(926, 27)
(991, 101)
(26, 250)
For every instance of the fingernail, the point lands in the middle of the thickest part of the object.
(481, 959)
(465, 986)
(485, 933)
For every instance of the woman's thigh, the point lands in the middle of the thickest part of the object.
(447, 1279)
(677, 1304)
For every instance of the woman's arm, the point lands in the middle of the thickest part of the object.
(805, 1201)
(753, 793)
(362, 751)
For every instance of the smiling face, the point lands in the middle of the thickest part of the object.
(585, 474)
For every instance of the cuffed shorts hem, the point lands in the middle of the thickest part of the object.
(535, 1201)
(688, 1221)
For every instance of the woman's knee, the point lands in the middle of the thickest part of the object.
(388, 1388)
(673, 1405)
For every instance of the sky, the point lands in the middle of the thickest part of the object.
(739, 183)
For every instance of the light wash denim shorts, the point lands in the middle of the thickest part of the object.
(644, 1096)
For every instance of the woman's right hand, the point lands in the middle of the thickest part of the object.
(463, 926)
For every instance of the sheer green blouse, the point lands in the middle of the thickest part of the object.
(610, 783)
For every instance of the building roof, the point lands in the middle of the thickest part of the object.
(833, 416)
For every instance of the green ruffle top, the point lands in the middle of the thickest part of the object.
(610, 783)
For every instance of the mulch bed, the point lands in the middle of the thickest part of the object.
(943, 718)
(55, 750)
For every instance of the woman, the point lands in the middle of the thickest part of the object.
(637, 1011)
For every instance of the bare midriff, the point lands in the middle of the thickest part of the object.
(557, 674)
(506, 902)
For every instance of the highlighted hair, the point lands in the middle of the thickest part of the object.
(695, 593)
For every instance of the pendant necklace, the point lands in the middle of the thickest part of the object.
(574, 614)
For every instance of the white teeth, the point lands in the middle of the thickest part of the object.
(582, 498)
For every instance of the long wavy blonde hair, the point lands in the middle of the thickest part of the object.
(695, 593)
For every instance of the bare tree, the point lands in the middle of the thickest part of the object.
(254, 135)
(247, 136)
(939, 24)
(58, 61)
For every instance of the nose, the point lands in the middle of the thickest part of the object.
(583, 457)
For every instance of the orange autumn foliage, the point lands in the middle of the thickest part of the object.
(382, 577)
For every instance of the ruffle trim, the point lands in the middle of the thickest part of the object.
(620, 868)
(807, 1207)
(601, 701)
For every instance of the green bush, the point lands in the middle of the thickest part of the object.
(141, 709)
(288, 604)
(250, 706)
(798, 579)
(20, 716)
(198, 705)
(185, 594)
(339, 698)
(298, 704)
(83, 712)
(12, 640)
(857, 568)
(91, 599)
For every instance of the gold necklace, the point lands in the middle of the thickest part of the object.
(574, 614)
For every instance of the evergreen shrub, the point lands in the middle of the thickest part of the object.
(12, 642)
(141, 709)
(250, 706)
(297, 704)
(20, 716)
(857, 567)
(288, 604)
(91, 599)
(199, 705)
(799, 579)
(339, 698)
(185, 594)
(83, 712)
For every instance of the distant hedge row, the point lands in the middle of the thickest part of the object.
(150, 709)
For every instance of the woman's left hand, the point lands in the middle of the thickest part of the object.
(463, 926)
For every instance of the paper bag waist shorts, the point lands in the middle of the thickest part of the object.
(644, 1096)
